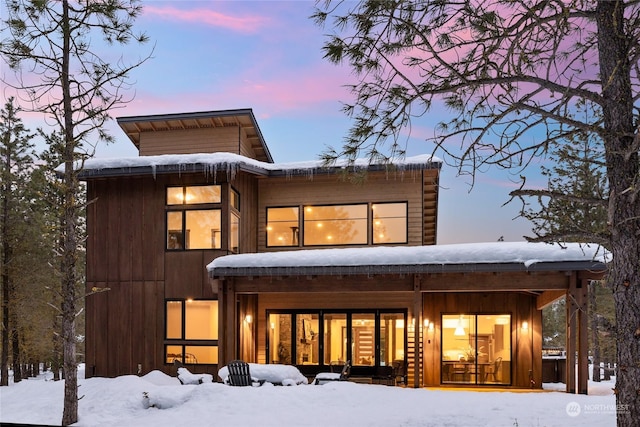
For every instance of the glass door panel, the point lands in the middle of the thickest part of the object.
(335, 338)
(363, 339)
(494, 348)
(307, 347)
(476, 349)
(280, 344)
(458, 354)
(392, 333)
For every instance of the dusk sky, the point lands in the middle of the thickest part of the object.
(267, 56)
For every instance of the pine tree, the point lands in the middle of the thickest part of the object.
(76, 89)
(572, 208)
(16, 162)
(509, 74)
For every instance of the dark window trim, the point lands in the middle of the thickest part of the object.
(406, 219)
(369, 219)
(512, 351)
(266, 232)
(182, 342)
(349, 316)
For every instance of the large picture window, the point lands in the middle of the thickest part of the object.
(336, 225)
(189, 225)
(476, 349)
(192, 331)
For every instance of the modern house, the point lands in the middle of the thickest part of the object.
(212, 252)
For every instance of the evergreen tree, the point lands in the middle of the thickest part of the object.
(506, 69)
(572, 208)
(76, 89)
(16, 162)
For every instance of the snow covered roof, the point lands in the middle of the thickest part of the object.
(469, 257)
(211, 163)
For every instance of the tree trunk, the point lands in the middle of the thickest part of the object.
(595, 339)
(15, 350)
(69, 249)
(4, 262)
(624, 212)
(55, 357)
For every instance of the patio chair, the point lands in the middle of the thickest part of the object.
(240, 376)
(399, 371)
(325, 377)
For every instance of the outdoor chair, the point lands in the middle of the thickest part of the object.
(240, 376)
(325, 377)
(399, 371)
(493, 370)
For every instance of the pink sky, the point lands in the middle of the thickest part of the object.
(266, 55)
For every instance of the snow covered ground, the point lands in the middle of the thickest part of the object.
(121, 402)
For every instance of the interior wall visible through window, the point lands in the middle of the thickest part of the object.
(194, 323)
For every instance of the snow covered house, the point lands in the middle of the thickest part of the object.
(212, 252)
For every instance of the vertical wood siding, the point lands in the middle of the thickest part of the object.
(126, 253)
(526, 348)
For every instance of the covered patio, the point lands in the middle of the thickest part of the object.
(378, 305)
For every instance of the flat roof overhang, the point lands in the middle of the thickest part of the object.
(591, 268)
(134, 126)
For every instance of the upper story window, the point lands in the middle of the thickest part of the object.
(194, 217)
(283, 226)
(191, 195)
(334, 225)
(389, 223)
(234, 221)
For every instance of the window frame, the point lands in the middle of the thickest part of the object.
(185, 207)
(370, 238)
(266, 228)
(182, 341)
(406, 223)
(475, 316)
(349, 313)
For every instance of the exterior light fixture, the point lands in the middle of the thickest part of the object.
(525, 326)
(248, 318)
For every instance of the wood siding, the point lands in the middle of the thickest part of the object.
(327, 189)
(230, 139)
(126, 254)
(526, 347)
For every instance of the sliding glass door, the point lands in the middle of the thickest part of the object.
(476, 349)
(314, 340)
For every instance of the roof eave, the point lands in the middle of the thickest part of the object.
(87, 174)
(351, 270)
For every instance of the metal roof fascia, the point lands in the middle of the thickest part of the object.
(407, 269)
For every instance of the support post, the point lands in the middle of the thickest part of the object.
(583, 343)
(572, 323)
(417, 326)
